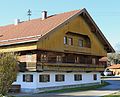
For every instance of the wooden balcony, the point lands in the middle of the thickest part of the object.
(67, 67)
(27, 66)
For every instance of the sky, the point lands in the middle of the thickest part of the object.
(105, 13)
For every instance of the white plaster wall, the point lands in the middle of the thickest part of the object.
(69, 79)
(31, 85)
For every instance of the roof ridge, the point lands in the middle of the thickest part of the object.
(25, 29)
(39, 18)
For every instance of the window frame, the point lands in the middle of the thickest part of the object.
(44, 78)
(94, 76)
(59, 78)
(65, 40)
(93, 60)
(58, 58)
(77, 59)
(43, 57)
(78, 77)
(27, 77)
(80, 42)
(70, 41)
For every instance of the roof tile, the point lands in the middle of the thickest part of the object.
(32, 28)
(114, 66)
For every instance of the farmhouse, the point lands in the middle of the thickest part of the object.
(56, 51)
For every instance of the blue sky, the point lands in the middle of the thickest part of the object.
(106, 13)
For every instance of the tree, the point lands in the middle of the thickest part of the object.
(8, 71)
(114, 58)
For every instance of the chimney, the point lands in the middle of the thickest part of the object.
(44, 15)
(17, 21)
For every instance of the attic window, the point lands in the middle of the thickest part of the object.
(65, 40)
(70, 41)
(80, 42)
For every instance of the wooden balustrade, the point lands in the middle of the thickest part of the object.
(38, 66)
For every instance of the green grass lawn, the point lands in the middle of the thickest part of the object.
(78, 88)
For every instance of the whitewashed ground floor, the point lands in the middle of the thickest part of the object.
(34, 81)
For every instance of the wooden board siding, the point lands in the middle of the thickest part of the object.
(20, 47)
(49, 51)
(68, 61)
(28, 58)
(55, 41)
(72, 68)
(33, 66)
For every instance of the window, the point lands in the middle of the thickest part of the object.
(70, 41)
(80, 42)
(65, 40)
(76, 59)
(59, 59)
(93, 61)
(59, 77)
(43, 57)
(27, 78)
(94, 76)
(78, 77)
(44, 78)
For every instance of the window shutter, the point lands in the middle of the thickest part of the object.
(23, 78)
(31, 78)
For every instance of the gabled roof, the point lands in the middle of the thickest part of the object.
(32, 30)
(114, 66)
(103, 59)
(36, 29)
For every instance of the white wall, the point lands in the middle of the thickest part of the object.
(31, 85)
(69, 79)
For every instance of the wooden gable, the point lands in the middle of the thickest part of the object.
(74, 28)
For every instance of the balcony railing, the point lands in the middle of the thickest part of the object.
(70, 67)
(38, 66)
(27, 66)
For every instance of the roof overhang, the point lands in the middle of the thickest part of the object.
(95, 29)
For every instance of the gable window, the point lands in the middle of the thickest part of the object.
(70, 41)
(59, 77)
(58, 59)
(27, 78)
(78, 77)
(65, 40)
(80, 42)
(44, 78)
(94, 76)
(43, 57)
